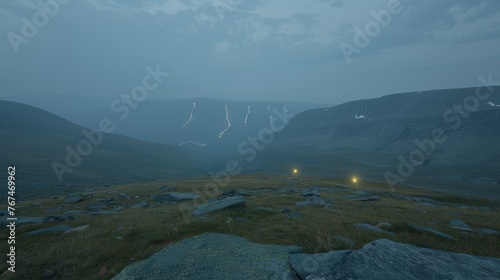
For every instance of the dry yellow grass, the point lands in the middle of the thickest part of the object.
(145, 231)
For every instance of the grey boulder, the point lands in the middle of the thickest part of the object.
(386, 260)
(174, 197)
(215, 205)
(214, 256)
(73, 198)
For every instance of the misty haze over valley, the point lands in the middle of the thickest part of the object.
(231, 139)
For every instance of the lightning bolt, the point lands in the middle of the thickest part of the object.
(228, 123)
(248, 113)
(246, 119)
(192, 142)
(191, 117)
(270, 116)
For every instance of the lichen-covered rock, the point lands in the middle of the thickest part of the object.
(215, 256)
(387, 260)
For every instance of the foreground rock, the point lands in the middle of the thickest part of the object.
(431, 230)
(73, 198)
(234, 201)
(59, 228)
(384, 259)
(214, 256)
(174, 197)
(373, 228)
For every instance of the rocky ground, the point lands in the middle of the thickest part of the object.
(338, 229)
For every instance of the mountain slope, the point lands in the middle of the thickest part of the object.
(33, 139)
(374, 134)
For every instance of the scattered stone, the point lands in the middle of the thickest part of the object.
(74, 212)
(51, 219)
(54, 229)
(73, 198)
(360, 197)
(105, 200)
(142, 204)
(77, 229)
(174, 197)
(242, 193)
(285, 210)
(98, 213)
(458, 224)
(265, 209)
(430, 230)
(311, 200)
(118, 208)
(215, 205)
(215, 256)
(29, 220)
(385, 259)
(373, 228)
(489, 231)
(227, 193)
(96, 207)
(384, 225)
(310, 192)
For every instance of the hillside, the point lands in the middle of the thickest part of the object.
(371, 135)
(33, 139)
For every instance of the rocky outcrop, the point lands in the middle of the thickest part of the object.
(215, 205)
(220, 256)
(214, 256)
(386, 260)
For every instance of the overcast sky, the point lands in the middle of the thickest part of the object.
(231, 49)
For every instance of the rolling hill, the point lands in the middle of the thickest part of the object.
(38, 143)
(445, 134)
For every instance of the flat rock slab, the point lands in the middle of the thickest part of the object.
(103, 212)
(174, 197)
(234, 201)
(54, 229)
(361, 197)
(489, 231)
(59, 218)
(384, 259)
(430, 230)
(29, 220)
(214, 256)
(73, 198)
(373, 228)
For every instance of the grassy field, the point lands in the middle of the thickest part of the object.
(115, 241)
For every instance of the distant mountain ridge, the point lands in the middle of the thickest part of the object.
(373, 134)
(33, 139)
